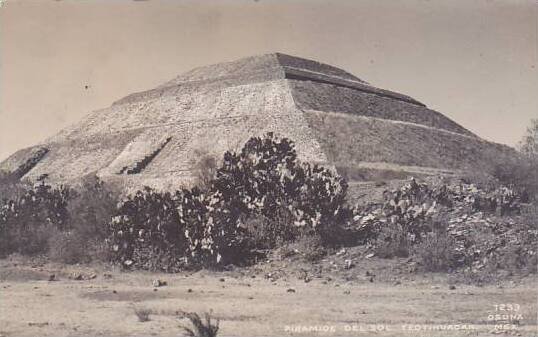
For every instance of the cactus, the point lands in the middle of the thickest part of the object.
(205, 227)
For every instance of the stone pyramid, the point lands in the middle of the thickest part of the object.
(155, 138)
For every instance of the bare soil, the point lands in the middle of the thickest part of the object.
(276, 297)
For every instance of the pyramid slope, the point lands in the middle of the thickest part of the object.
(351, 142)
(111, 139)
(155, 138)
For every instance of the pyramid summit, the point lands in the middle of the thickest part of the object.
(156, 138)
(266, 68)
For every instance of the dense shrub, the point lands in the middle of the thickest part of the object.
(91, 206)
(67, 224)
(27, 222)
(214, 231)
(501, 244)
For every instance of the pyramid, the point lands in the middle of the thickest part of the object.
(156, 138)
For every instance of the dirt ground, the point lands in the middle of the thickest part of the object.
(260, 301)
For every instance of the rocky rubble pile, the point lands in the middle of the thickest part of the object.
(488, 228)
(491, 241)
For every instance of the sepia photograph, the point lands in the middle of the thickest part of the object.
(269, 168)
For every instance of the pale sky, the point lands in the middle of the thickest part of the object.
(474, 61)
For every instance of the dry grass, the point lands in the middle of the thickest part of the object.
(200, 327)
(143, 314)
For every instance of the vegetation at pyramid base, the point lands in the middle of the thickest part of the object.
(251, 202)
(66, 224)
(27, 222)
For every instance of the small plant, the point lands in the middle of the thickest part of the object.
(310, 247)
(200, 328)
(437, 251)
(393, 241)
(143, 314)
(206, 169)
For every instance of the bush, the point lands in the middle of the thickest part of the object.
(67, 247)
(68, 224)
(393, 241)
(437, 251)
(405, 218)
(90, 208)
(28, 221)
(457, 226)
(206, 169)
(516, 259)
(266, 175)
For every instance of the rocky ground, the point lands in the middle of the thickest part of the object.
(347, 293)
